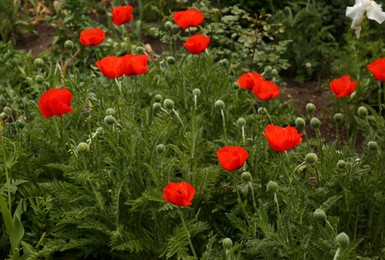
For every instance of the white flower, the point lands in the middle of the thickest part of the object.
(357, 12)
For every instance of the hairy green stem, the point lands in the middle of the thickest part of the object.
(188, 234)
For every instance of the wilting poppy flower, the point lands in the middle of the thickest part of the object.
(249, 79)
(134, 64)
(378, 69)
(282, 138)
(188, 18)
(111, 66)
(197, 43)
(343, 86)
(266, 90)
(122, 14)
(55, 102)
(92, 37)
(179, 193)
(232, 157)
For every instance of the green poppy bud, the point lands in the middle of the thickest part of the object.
(110, 111)
(308, 65)
(241, 122)
(246, 176)
(156, 106)
(311, 158)
(68, 44)
(20, 123)
(223, 62)
(38, 62)
(7, 110)
(168, 103)
(268, 68)
(158, 98)
(160, 148)
(341, 164)
(274, 72)
(219, 104)
(272, 186)
(262, 111)
(319, 214)
(196, 92)
(109, 120)
(227, 243)
(170, 60)
(300, 122)
(139, 49)
(168, 25)
(100, 130)
(310, 108)
(39, 79)
(315, 122)
(373, 146)
(83, 147)
(342, 240)
(338, 118)
(362, 111)
(3, 115)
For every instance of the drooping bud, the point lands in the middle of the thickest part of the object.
(68, 44)
(341, 164)
(38, 62)
(7, 110)
(227, 243)
(110, 111)
(168, 103)
(319, 214)
(156, 106)
(272, 186)
(311, 158)
(219, 104)
(158, 98)
(338, 118)
(262, 111)
(315, 122)
(196, 92)
(170, 60)
(246, 176)
(83, 147)
(241, 122)
(109, 120)
(310, 108)
(373, 146)
(300, 122)
(168, 25)
(160, 148)
(362, 111)
(342, 240)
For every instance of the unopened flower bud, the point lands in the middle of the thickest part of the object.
(227, 243)
(341, 164)
(20, 123)
(223, 62)
(362, 111)
(38, 62)
(241, 122)
(246, 176)
(300, 122)
(83, 147)
(196, 92)
(168, 25)
(168, 103)
(272, 186)
(100, 130)
(319, 214)
(268, 68)
(7, 110)
(170, 60)
(68, 44)
(139, 49)
(109, 120)
(160, 148)
(158, 98)
(308, 65)
(261, 111)
(39, 79)
(338, 118)
(310, 107)
(342, 240)
(372, 145)
(311, 158)
(219, 104)
(274, 72)
(315, 122)
(3, 115)
(110, 111)
(156, 106)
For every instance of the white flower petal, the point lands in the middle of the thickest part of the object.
(375, 13)
(355, 12)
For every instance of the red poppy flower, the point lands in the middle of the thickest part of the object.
(232, 157)
(249, 79)
(282, 138)
(266, 90)
(55, 102)
(197, 43)
(343, 86)
(111, 66)
(122, 14)
(378, 69)
(179, 193)
(134, 64)
(188, 18)
(92, 37)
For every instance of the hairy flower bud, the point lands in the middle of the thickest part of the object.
(311, 158)
(246, 176)
(20, 123)
(219, 104)
(262, 111)
(196, 92)
(241, 122)
(315, 122)
(39, 79)
(160, 148)
(158, 98)
(68, 44)
(338, 118)
(319, 214)
(7, 110)
(38, 62)
(156, 106)
(168, 103)
(310, 108)
(110, 111)
(83, 147)
(227, 243)
(109, 120)
(300, 122)
(3, 115)
(373, 146)
(341, 164)
(272, 186)
(170, 60)
(168, 25)
(342, 240)
(362, 111)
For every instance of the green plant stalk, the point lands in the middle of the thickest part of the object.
(379, 98)
(243, 136)
(6, 171)
(177, 115)
(224, 124)
(337, 254)
(187, 233)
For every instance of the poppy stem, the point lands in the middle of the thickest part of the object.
(6, 171)
(337, 254)
(224, 123)
(188, 233)
(177, 115)
(379, 98)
